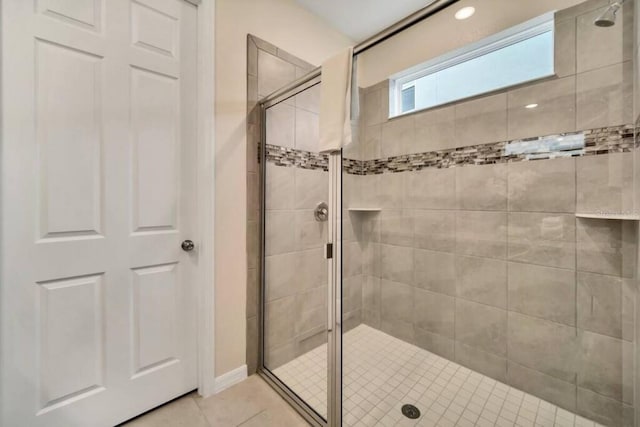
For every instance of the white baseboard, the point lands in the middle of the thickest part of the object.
(229, 379)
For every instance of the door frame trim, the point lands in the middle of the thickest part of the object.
(206, 197)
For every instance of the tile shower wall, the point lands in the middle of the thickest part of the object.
(488, 265)
(268, 69)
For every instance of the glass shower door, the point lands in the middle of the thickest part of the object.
(295, 268)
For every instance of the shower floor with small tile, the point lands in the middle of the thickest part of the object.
(381, 373)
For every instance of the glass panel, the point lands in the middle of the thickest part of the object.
(490, 246)
(521, 62)
(295, 276)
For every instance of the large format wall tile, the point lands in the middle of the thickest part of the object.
(275, 357)
(311, 269)
(604, 410)
(372, 140)
(309, 99)
(273, 73)
(599, 47)
(280, 276)
(279, 328)
(605, 96)
(281, 125)
(601, 365)
(374, 107)
(434, 312)
(602, 247)
(430, 189)
(435, 130)
(280, 236)
(307, 131)
(397, 300)
(544, 292)
(371, 264)
(544, 239)
(280, 184)
(351, 294)
(390, 188)
(435, 343)
(482, 187)
(434, 230)
(545, 346)
(309, 233)
(549, 388)
(311, 188)
(482, 280)
(629, 295)
(481, 233)
(396, 263)
(396, 227)
(481, 361)
(600, 304)
(435, 271)
(397, 309)
(481, 120)
(398, 135)
(352, 262)
(310, 312)
(481, 326)
(605, 183)
(371, 293)
(542, 186)
(555, 113)
(565, 47)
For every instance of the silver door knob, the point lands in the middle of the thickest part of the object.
(188, 245)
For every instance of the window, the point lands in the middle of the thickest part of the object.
(520, 54)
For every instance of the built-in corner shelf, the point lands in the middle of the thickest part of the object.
(624, 217)
(363, 209)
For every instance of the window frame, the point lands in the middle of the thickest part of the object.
(534, 27)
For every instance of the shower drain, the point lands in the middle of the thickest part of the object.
(410, 411)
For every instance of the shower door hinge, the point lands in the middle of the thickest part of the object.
(328, 251)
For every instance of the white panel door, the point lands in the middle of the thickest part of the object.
(98, 192)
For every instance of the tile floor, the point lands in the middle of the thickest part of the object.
(252, 403)
(382, 373)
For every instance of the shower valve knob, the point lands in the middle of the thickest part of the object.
(321, 213)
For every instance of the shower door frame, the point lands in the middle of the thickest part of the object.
(334, 330)
(334, 238)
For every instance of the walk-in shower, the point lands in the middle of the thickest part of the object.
(479, 262)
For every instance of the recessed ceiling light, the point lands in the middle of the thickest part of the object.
(530, 106)
(465, 12)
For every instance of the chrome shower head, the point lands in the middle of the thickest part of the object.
(608, 17)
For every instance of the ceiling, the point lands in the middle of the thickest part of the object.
(360, 19)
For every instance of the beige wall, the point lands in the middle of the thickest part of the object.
(442, 33)
(287, 25)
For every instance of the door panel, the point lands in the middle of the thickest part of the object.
(154, 317)
(69, 120)
(98, 191)
(155, 122)
(71, 315)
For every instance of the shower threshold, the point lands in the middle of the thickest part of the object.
(383, 373)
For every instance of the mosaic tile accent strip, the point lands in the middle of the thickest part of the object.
(616, 139)
(283, 156)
